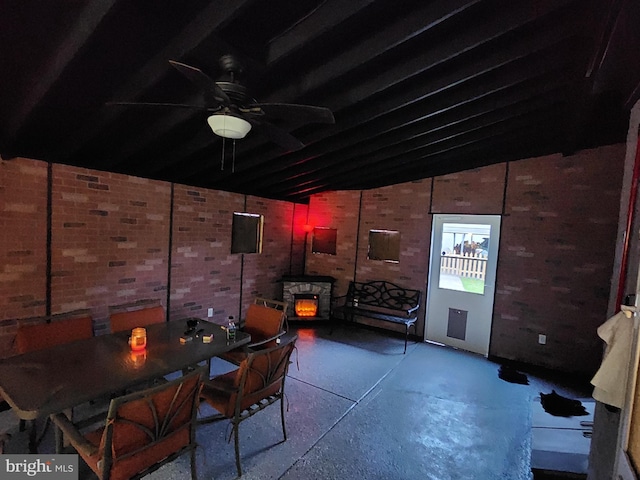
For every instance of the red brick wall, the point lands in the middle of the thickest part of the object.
(263, 272)
(110, 245)
(339, 210)
(556, 249)
(204, 273)
(479, 191)
(23, 236)
(556, 258)
(109, 242)
(403, 208)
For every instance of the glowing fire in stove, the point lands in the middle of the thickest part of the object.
(306, 307)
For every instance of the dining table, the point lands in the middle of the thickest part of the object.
(56, 379)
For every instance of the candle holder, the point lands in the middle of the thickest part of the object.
(138, 339)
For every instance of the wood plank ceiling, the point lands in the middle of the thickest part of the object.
(418, 88)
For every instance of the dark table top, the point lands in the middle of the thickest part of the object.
(49, 381)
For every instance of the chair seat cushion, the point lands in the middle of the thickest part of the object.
(217, 391)
(128, 467)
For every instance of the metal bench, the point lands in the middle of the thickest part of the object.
(380, 300)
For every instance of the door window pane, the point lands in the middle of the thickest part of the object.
(463, 257)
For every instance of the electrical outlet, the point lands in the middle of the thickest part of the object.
(542, 339)
(210, 313)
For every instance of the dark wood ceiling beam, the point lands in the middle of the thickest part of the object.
(544, 88)
(484, 152)
(387, 157)
(326, 16)
(419, 21)
(89, 19)
(469, 41)
(152, 131)
(482, 115)
(510, 146)
(424, 61)
(424, 164)
(583, 93)
(142, 163)
(451, 93)
(204, 24)
(401, 30)
(432, 14)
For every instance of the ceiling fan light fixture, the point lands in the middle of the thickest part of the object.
(229, 126)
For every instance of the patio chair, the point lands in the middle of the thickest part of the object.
(38, 336)
(138, 317)
(265, 322)
(143, 430)
(257, 383)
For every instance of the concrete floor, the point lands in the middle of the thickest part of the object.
(360, 409)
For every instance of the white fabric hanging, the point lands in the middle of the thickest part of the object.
(610, 381)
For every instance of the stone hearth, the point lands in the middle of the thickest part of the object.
(308, 285)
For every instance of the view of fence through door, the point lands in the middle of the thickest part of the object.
(460, 291)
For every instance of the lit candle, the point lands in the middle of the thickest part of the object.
(137, 358)
(138, 339)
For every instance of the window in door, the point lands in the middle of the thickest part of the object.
(464, 253)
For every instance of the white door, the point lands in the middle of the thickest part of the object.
(462, 275)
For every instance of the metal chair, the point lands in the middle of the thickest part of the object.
(257, 383)
(137, 317)
(265, 322)
(143, 430)
(38, 336)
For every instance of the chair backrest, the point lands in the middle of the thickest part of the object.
(267, 302)
(44, 335)
(141, 317)
(260, 375)
(150, 427)
(261, 321)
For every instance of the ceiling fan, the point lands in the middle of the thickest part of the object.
(232, 113)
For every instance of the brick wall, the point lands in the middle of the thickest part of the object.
(204, 273)
(556, 248)
(23, 238)
(479, 191)
(109, 240)
(403, 208)
(111, 244)
(339, 210)
(263, 272)
(556, 257)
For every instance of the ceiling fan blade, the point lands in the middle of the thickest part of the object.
(213, 94)
(295, 112)
(163, 105)
(277, 135)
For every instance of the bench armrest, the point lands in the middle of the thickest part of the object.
(413, 309)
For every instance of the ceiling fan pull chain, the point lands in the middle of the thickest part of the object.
(233, 158)
(222, 162)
